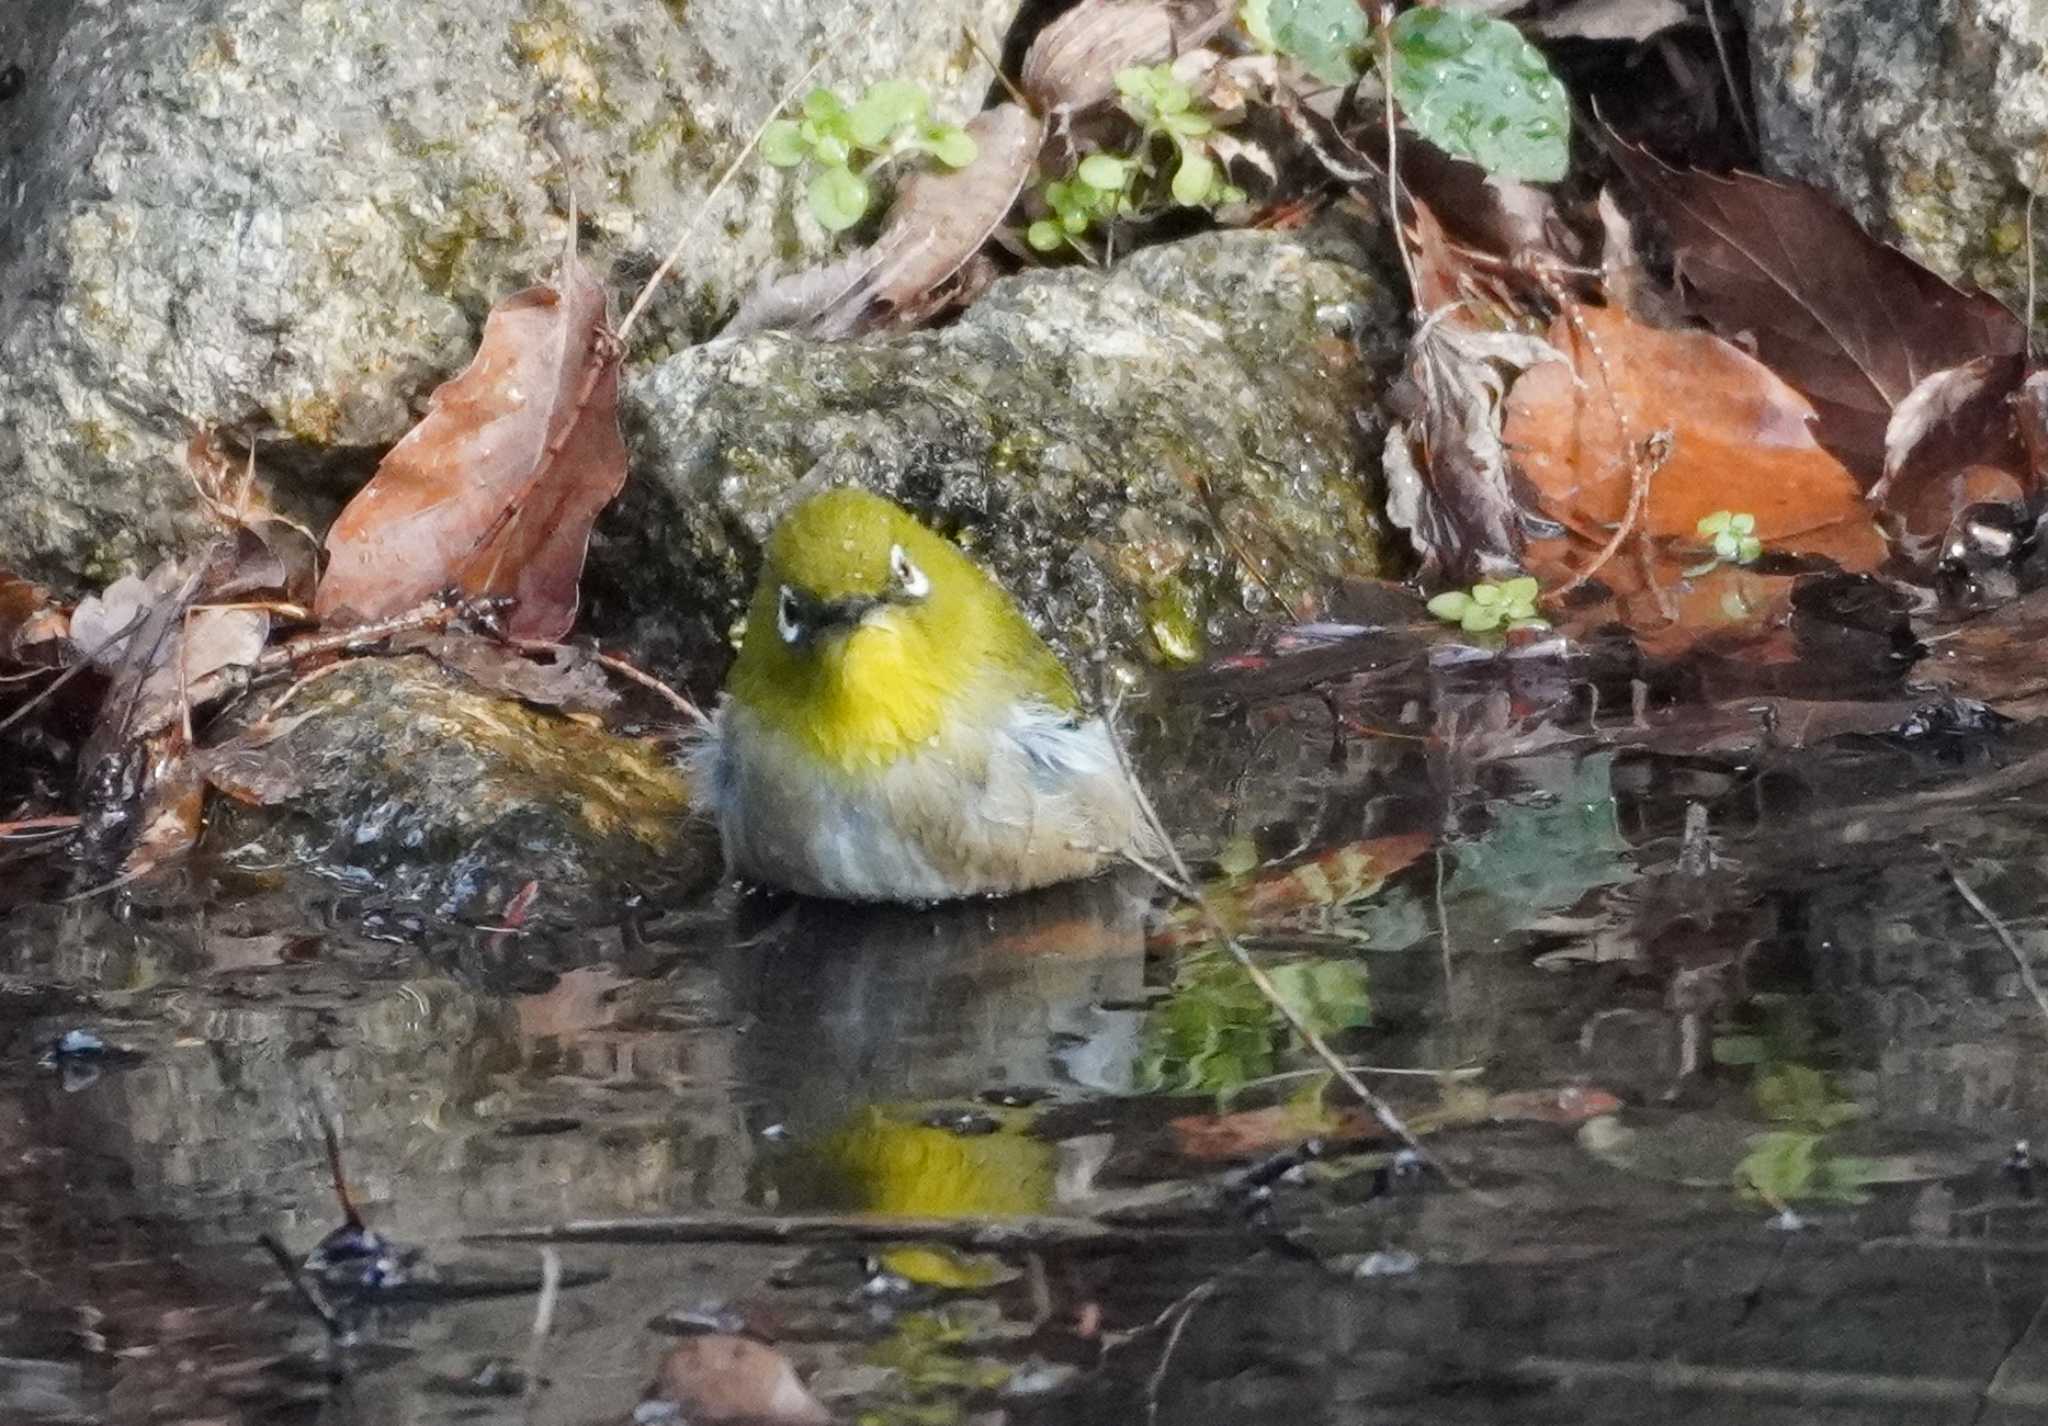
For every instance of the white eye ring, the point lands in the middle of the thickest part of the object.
(914, 582)
(787, 623)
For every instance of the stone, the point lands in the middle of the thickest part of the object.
(1927, 119)
(287, 218)
(414, 785)
(1143, 456)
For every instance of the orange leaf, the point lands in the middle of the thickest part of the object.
(495, 491)
(1739, 439)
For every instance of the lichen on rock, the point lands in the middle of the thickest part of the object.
(1141, 455)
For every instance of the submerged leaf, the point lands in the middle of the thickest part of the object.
(494, 492)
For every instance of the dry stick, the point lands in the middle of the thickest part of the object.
(1728, 75)
(689, 230)
(1386, 24)
(1016, 94)
(681, 702)
(2019, 956)
(1181, 882)
(986, 1235)
(543, 1324)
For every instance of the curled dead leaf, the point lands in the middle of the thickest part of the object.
(1074, 62)
(716, 1377)
(494, 492)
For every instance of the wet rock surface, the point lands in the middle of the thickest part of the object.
(1927, 121)
(288, 218)
(401, 777)
(1139, 455)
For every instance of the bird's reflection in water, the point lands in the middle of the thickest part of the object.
(890, 1045)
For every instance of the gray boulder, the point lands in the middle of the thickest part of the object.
(288, 217)
(1141, 455)
(1926, 118)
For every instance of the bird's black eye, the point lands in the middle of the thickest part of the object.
(912, 581)
(789, 620)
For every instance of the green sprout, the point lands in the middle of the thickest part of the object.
(846, 143)
(1174, 133)
(1732, 535)
(1488, 605)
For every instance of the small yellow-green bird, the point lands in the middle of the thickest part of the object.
(894, 729)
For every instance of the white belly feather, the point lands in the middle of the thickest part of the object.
(1040, 799)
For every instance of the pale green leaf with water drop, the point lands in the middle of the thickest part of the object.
(1473, 86)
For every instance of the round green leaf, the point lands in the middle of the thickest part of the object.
(1325, 35)
(1522, 589)
(1726, 546)
(1253, 15)
(1481, 618)
(1715, 523)
(1074, 221)
(1474, 86)
(1188, 124)
(1104, 171)
(955, 148)
(838, 197)
(782, 144)
(1195, 180)
(832, 149)
(1486, 594)
(823, 106)
(1450, 605)
(1045, 235)
(890, 104)
(1742, 524)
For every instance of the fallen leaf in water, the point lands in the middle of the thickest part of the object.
(1247, 1133)
(715, 1377)
(558, 676)
(1850, 322)
(1271, 898)
(495, 490)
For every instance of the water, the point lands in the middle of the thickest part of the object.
(1805, 1208)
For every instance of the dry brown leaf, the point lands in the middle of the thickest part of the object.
(1738, 439)
(495, 490)
(1074, 62)
(563, 676)
(1853, 324)
(715, 1377)
(937, 224)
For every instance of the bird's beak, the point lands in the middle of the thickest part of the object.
(847, 614)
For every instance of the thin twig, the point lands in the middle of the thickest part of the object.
(1728, 77)
(1003, 79)
(85, 661)
(681, 702)
(1185, 1307)
(2019, 956)
(1385, 21)
(704, 205)
(307, 1291)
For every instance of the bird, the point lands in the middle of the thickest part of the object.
(895, 730)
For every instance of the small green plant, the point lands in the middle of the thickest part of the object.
(1175, 133)
(1732, 536)
(848, 142)
(1488, 605)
